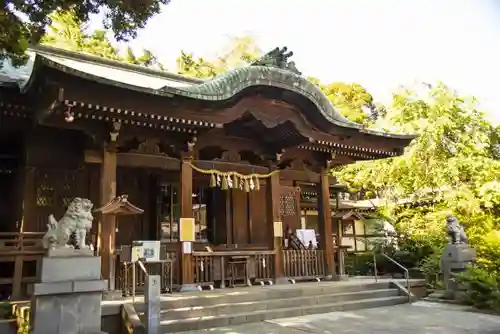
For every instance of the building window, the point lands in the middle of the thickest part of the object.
(169, 212)
(200, 202)
(361, 235)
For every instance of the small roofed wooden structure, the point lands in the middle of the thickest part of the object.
(119, 206)
(349, 215)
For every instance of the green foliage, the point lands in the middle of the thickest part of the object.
(482, 288)
(198, 68)
(239, 52)
(482, 281)
(452, 168)
(67, 32)
(352, 100)
(5, 310)
(430, 267)
(23, 22)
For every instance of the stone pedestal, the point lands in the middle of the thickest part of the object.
(67, 299)
(153, 304)
(455, 259)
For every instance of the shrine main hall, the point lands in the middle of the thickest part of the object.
(215, 168)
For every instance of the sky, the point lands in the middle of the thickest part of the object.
(380, 44)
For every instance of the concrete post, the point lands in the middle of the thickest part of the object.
(152, 299)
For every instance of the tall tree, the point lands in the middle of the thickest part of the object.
(239, 52)
(454, 163)
(23, 22)
(98, 44)
(67, 32)
(188, 65)
(351, 99)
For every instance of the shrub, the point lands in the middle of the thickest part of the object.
(482, 288)
(431, 269)
(5, 310)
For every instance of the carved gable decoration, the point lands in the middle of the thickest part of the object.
(278, 58)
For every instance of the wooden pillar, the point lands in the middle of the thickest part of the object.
(186, 202)
(325, 223)
(107, 223)
(274, 222)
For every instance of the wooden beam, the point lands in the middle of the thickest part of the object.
(325, 223)
(135, 160)
(273, 217)
(303, 176)
(186, 203)
(107, 223)
(224, 166)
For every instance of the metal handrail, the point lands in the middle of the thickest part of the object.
(407, 272)
(144, 270)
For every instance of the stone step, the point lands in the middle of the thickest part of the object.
(252, 294)
(181, 325)
(272, 304)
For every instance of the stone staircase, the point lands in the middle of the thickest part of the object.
(185, 312)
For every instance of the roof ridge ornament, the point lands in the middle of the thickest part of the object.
(278, 58)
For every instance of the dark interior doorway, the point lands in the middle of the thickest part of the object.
(11, 158)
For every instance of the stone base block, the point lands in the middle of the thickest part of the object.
(59, 269)
(188, 288)
(67, 300)
(66, 314)
(281, 280)
(459, 254)
(69, 252)
(112, 295)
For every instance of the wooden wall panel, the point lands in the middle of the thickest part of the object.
(258, 211)
(219, 227)
(240, 216)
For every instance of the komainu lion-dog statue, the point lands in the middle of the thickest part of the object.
(77, 221)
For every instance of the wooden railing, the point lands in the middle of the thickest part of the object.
(211, 267)
(304, 264)
(166, 268)
(129, 270)
(17, 250)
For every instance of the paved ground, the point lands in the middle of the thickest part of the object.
(419, 318)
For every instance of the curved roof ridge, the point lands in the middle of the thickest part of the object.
(220, 88)
(226, 85)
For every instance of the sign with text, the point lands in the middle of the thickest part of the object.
(278, 229)
(187, 232)
(146, 249)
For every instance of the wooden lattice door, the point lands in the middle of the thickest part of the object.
(53, 190)
(290, 207)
